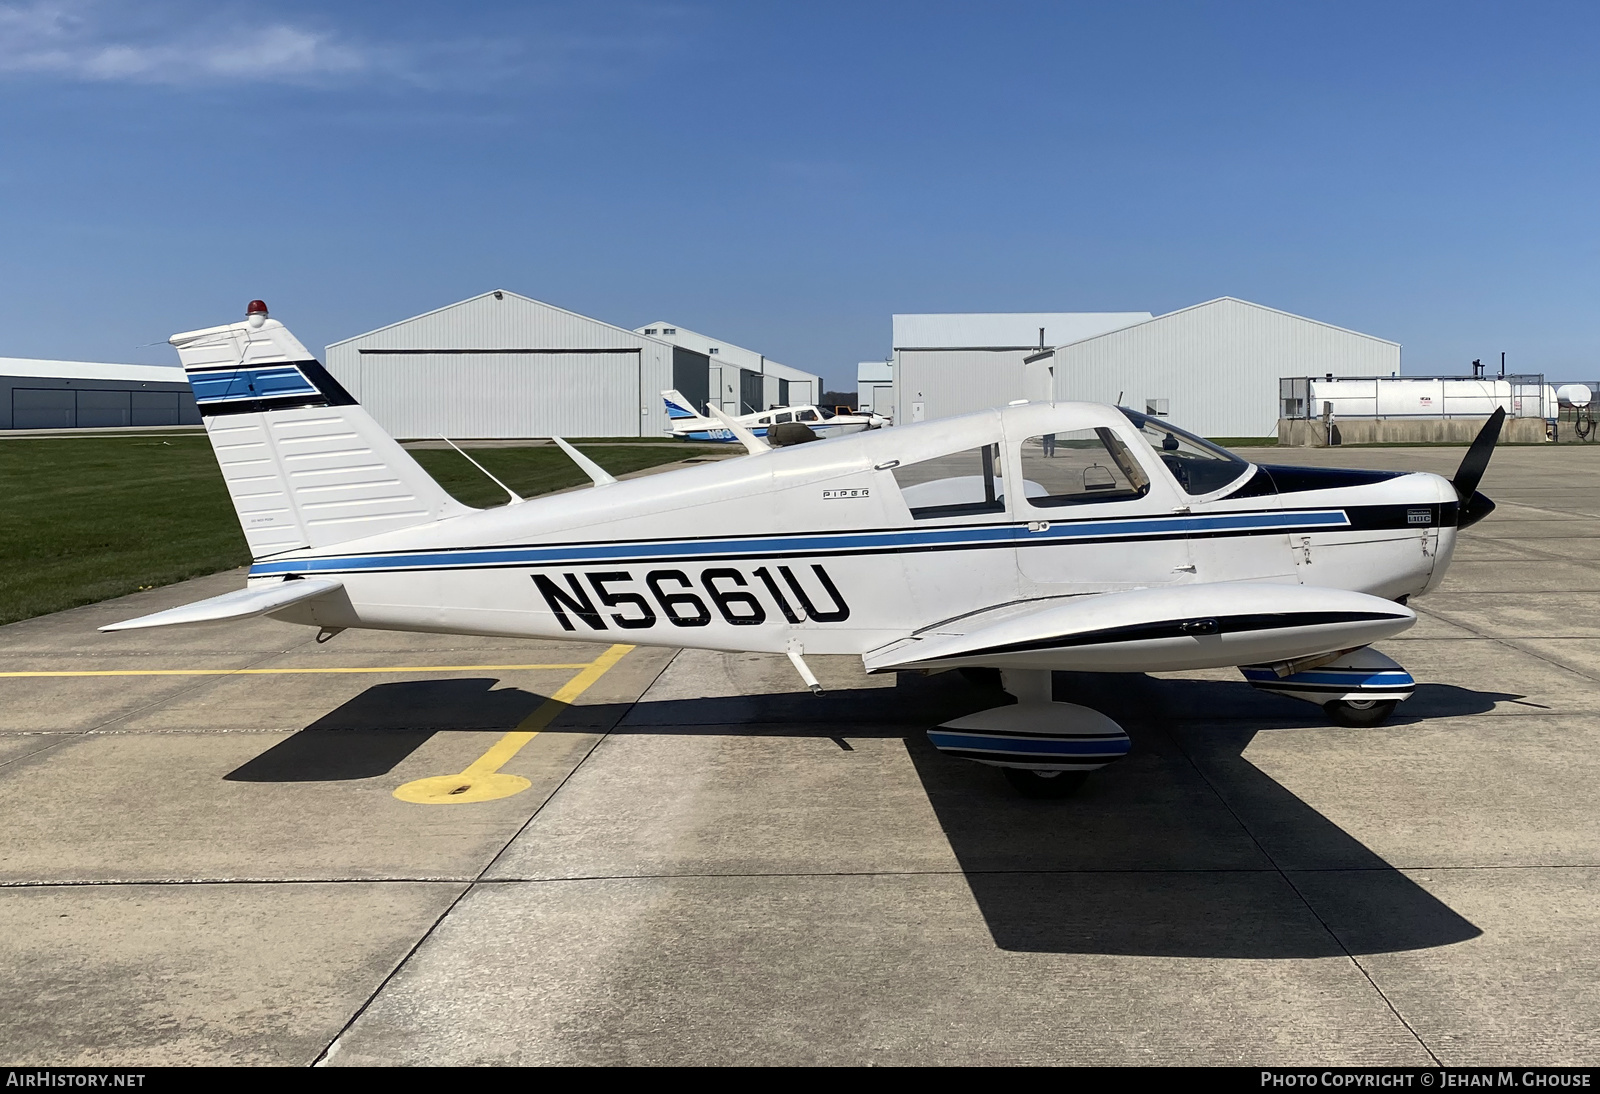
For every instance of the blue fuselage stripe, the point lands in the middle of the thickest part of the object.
(1040, 745)
(818, 543)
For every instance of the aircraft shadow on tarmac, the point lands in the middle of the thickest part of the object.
(1175, 851)
(1185, 848)
(369, 735)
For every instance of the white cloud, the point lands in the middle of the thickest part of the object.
(201, 43)
(69, 39)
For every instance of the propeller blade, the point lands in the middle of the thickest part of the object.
(1470, 473)
(1473, 510)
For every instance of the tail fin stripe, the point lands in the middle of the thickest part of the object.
(245, 389)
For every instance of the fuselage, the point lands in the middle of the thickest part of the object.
(855, 541)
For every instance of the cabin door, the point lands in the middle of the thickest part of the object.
(1095, 518)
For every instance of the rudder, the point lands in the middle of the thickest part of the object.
(305, 465)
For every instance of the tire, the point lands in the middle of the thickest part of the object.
(983, 677)
(1044, 784)
(1360, 712)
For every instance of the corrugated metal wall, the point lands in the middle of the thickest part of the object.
(955, 381)
(504, 395)
(507, 394)
(1217, 364)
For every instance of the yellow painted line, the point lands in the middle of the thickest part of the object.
(483, 780)
(294, 672)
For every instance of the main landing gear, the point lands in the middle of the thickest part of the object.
(1358, 688)
(1046, 749)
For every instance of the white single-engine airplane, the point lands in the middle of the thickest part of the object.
(1031, 538)
(685, 422)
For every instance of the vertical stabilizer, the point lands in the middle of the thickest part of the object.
(305, 465)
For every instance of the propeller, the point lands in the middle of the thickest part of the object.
(1474, 506)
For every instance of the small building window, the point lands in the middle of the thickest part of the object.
(650, 330)
(1156, 407)
(669, 330)
(713, 349)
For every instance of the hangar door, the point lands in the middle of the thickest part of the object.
(516, 393)
(87, 408)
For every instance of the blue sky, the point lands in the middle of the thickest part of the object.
(786, 176)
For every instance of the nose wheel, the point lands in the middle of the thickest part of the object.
(1359, 712)
(1044, 784)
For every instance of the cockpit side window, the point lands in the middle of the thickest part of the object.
(1080, 466)
(1199, 466)
(954, 485)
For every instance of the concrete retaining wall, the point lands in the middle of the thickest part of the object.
(1299, 433)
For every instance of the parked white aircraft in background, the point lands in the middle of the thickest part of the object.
(691, 425)
(1032, 538)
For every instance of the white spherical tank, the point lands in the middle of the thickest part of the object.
(1576, 395)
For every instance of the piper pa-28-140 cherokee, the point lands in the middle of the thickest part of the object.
(691, 426)
(1025, 539)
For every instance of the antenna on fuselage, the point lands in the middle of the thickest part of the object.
(752, 444)
(516, 499)
(596, 473)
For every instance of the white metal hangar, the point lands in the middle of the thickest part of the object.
(1212, 368)
(947, 364)
(740, 380)
(38, 394)
(502, 365)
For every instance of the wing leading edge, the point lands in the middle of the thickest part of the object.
(1156, 630)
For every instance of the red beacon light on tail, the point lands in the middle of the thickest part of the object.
(256, 313)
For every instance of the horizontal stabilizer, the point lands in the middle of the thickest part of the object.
(1155, 630)
(244, 604)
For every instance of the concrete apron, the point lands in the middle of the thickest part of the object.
(711, 865)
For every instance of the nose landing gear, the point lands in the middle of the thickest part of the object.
(1359, 687)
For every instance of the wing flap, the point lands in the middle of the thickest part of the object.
(243, 604)
(1158, 630)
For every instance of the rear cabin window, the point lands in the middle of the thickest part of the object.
(1078, 467)
(953, 485)
(784, 418)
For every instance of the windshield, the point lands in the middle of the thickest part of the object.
(1199, 466)
(825, 412)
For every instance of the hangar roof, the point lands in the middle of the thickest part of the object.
(1234, 301)
(89, 370)
(496, 319)
(1006, 330)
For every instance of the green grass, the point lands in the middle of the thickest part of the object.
(1244, 442)
(90, 518)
